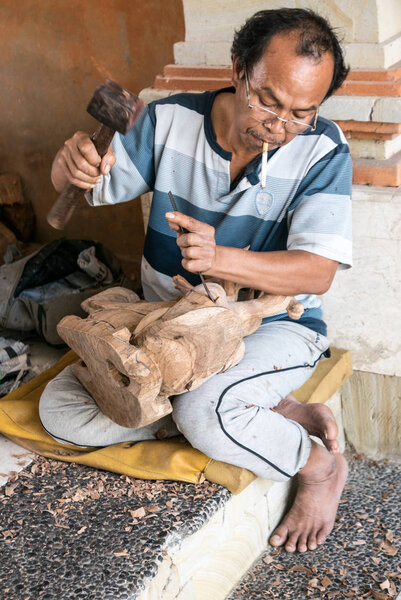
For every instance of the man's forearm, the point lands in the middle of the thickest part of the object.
(288, 272)
(58, 177)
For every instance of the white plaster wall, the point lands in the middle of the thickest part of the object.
(374, 56)
(389, 18)
(363, 307)
(370, 29)
(215, 20)
(362, 21)
(357, 19)
(362, 108)
(378, 149)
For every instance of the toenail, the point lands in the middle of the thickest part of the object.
(275, 539)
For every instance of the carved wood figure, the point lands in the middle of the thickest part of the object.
(135, 354)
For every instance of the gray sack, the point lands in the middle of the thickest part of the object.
(24, 314)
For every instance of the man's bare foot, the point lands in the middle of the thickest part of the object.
(311, 518)
(317, 419)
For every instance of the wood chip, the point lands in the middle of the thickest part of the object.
(9, 490)
(301, 568)
(388, 548)
(389, 535)
(385, 585)
(325, 581)
(121, 553)
(380, 595)
(138, 513)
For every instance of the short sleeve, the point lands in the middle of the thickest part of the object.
(133, 173)
(319, 218)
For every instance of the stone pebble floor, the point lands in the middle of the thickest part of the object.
(68, 532)
(362, 558)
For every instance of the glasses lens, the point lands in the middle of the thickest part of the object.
(264, 116)
(293, 127)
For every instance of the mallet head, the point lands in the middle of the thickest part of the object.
(115, 106)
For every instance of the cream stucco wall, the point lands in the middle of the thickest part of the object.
(363, 307)
(371, 29)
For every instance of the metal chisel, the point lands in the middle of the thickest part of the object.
(183, 230)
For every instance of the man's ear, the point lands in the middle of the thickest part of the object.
(238, 72)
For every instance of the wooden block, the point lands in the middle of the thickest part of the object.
(15, 211)
(11, 189)
(6, 238)
(372, 414)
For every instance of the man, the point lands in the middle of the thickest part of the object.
(206, 149)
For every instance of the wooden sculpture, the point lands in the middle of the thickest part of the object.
(135, 354)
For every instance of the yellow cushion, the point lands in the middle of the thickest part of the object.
(327, 379)
(159, 459)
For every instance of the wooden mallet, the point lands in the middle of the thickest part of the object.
(117, 109)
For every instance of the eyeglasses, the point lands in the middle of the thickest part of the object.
(264, 115)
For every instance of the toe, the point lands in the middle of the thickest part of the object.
(321, 537)
(302, 543)
(279, 536)
(332, 446)
(276, 540)
(312, 543)
(291, 545)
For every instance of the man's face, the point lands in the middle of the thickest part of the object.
(290, 85)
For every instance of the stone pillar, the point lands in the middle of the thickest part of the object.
(363, 307)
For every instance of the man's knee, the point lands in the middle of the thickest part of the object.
(64, 404)
(196, 419)
(183, 416)
(48, 414)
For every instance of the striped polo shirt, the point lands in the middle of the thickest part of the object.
(305, 205)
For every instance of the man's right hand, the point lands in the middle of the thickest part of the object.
(79, 163)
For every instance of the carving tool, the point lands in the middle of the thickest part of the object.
(183, 230)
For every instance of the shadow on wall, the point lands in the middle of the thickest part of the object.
(52, 56)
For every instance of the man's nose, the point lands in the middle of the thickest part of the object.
(275, 126)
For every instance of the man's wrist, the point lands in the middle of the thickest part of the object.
(219, 268)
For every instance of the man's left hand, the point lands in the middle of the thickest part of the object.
(198, 245)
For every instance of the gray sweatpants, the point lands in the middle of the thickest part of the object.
(229, 417)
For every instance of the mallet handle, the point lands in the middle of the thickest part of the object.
(62, 209)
